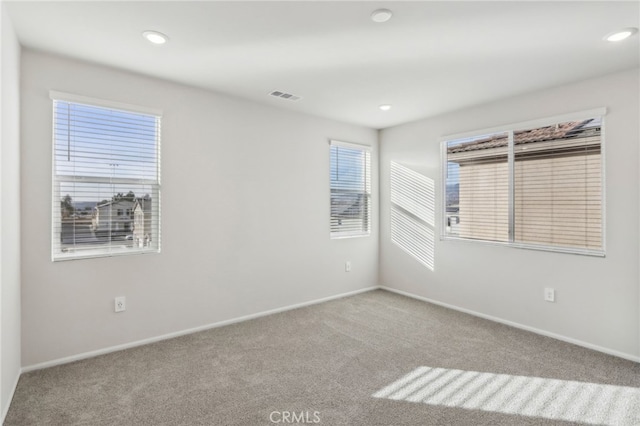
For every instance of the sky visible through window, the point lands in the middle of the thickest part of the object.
(110, 145)
(347, 169)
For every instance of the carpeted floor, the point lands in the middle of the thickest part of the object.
(372, 359)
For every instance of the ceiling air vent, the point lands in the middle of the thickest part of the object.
(283, 95)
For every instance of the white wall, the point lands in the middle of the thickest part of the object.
(9, 211)
(597, 298)
(245, 225)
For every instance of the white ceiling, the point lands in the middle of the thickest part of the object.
(431, 57)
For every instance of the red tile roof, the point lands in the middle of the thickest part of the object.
(540, 134)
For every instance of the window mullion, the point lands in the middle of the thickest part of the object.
(511, 180)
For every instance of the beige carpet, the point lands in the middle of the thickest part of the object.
(372, 359)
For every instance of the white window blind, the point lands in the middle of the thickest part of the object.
(106, 181)
(350, 182)
(537, 187)
(558, 185)
(478, 188)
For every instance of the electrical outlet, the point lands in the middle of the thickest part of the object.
(347, 266)
(120, 304)
(549, 294)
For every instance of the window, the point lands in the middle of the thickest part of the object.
(532, 186)
(350, 173)
(106, 179)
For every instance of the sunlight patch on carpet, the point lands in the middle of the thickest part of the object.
(583, 402)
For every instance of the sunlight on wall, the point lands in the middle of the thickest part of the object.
(413, 236)
(413, 192)
(413, 213)
(520, 395)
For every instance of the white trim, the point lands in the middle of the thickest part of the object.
(5, 411)
(223, 323)
(511, 170)
(603, 188)
(349, 145)
(105, 180)
(110, 251)
(345, 235)
(540, 122)
(441, 210)
(85, 100)
(528, 246)
(518, 325)
(91, 354)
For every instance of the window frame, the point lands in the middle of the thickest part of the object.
(509, 129)
(108, 250)
(367, 150)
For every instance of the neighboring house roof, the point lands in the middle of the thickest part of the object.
(144, 203)
(127, 203)
(566, 130)
(348, 206)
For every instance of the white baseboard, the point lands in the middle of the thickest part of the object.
(5, 410)
(116, 348)
(518, 325)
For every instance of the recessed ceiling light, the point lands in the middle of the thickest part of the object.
(385, 107)
(621, 34)
(381, 15)
(155, 37)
